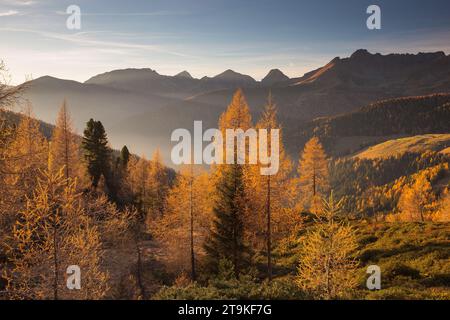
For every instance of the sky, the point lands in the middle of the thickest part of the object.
(206, 37)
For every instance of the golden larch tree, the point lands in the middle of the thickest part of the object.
(327, 268)
(443, 214)
(415, 199)
(313, 174)
(52, 233)
(158, 183)
(64, 147)
(25, 157)
(270, 216)
(237, 114)
(186, 221)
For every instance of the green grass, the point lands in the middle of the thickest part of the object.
(414, 259)
(416, 144)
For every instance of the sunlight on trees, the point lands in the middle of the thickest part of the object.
(313, 174)
(326, 263)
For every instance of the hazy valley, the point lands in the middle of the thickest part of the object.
(140, 107)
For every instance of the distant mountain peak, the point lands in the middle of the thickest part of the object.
(230, 75)
(360, 53)
(274, 76)
(123, 75)
(184, 74)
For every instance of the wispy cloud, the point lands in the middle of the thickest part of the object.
(9, 13)
(129, 14)
(81, 39)
(18, 2)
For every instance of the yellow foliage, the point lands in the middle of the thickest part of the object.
(415, 199)
(64, 148)
(188, 217)
(326, 267)
(52, 233)
(313, 174)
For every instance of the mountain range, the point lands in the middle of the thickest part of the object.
(140, 107)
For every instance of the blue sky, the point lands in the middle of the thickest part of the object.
(207, 37)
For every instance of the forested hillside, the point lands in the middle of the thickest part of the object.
(379, 121)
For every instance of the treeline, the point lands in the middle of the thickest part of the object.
(14, 118)
(411, 115)
(399, 116)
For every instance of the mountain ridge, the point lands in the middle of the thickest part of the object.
(168, 102)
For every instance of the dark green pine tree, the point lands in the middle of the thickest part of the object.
(124, 157)
(96, 151)
(226, 241)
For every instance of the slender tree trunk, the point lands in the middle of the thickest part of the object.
(191, 231)
(55, 256)
(327, 277)
(139, 271)
(269, 233)
(143, 190)
(314, 183)
(66, 147)
(235, 254)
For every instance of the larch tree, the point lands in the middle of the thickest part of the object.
(96, 152)
(414, 200)
(444, 208)
(226, 240)
(186, 221)
(64, 147)
(118, 229)
(52, 233)
(9, 96)
(269, 195)
(158, 183)
(27, 156)
(313, 174)
(6, 217)
(327, 268)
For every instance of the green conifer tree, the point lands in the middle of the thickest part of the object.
(96, 151)
(124, 157)
(226, 241)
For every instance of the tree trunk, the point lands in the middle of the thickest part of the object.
(314, 183)
(66, 147)
(269, 233)
(55, 256)
(235, 253)
(139, 272)
(191, 207)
